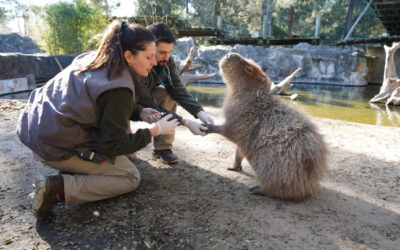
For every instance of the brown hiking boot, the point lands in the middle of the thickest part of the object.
(166, 156)
(47, 192)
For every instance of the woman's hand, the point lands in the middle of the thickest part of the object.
(165, 125)
(150, 115)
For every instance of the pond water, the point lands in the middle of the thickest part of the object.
(325, 101)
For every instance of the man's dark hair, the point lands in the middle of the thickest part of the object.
(162, 33)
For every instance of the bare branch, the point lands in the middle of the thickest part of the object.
(285, 84)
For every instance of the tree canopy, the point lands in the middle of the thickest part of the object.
(242, 18)
(67, 27)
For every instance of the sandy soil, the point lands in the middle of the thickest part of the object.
(198, 204)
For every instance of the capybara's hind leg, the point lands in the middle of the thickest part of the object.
(237, 165)
(257, 190)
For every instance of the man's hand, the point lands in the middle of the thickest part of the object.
(195, 127)
(150, 115)
(205, 118)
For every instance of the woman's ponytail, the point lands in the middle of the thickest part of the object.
(119, 37)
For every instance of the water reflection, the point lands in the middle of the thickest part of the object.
(325, 101)
(208, 95)
(384, 113)
(335, 93)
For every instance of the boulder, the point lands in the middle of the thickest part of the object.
(13, 42)
(42, 66)
(20, 56)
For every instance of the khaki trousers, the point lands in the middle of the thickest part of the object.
(92, 182)
(162, 97)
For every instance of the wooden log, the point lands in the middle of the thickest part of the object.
(187, 65)
(187, 79)
(389, 92)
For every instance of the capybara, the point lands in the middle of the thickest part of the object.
(281, 144)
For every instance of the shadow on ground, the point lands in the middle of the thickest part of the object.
(185, 206)
(202, 206)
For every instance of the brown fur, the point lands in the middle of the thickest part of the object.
(281, 144)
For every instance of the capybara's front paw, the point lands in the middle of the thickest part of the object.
(212, 128)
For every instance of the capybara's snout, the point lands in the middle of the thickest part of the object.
(230, 60)
(232, 57)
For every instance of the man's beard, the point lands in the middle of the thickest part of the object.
(162, 63)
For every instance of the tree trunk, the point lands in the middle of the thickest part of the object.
(349, 18)
(264, 19)
(290, 21)
(217, 13)
(26, 20)
(317, 25)
(390, 90)
(269, 21)
(358, 19)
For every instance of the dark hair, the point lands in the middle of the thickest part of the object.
(119, 37)
(162, 33)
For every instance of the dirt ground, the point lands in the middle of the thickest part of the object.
(198, 204)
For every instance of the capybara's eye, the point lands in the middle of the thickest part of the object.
(249, 69)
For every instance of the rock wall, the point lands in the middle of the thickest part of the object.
(20, 56)
(42, 66)
(320, 64)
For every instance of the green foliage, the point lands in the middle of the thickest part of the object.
(333, 21)
(242, 18)
(157, 10)
(3, 15)
(17, 10)
(239, 18)
(70, 26)
(67, 27)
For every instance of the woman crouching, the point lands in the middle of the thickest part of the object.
(78, 122)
